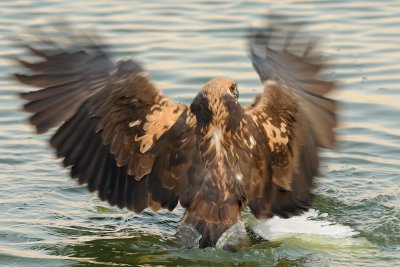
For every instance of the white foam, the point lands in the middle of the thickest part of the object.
(310, 223)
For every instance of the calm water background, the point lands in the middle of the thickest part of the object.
(48, 220)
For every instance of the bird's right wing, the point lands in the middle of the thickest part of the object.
(117, 132)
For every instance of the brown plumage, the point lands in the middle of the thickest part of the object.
(138, 148)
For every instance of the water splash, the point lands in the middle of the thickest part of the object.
(234, 238)
(310, 223)
(187, 236)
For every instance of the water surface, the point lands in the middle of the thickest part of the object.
(48, 220)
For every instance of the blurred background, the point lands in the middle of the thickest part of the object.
(48, 220)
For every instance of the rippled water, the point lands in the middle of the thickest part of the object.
(47, 220)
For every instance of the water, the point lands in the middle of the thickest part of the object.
(47, 220)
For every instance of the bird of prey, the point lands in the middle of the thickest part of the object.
(137, 148)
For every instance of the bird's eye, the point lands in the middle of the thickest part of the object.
(234, 91)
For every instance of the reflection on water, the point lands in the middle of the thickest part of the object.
(47, 220)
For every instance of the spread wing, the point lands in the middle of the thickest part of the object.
(115, 129)
(293, 117)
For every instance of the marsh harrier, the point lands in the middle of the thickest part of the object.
(138, 148)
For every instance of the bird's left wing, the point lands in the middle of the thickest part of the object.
(288, 122)
(119, 134)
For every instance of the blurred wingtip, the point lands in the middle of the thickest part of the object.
(58, 35)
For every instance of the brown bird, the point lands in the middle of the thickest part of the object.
(138, 148)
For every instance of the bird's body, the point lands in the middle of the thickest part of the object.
(138, 148)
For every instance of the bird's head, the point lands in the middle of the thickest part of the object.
(217, 104)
